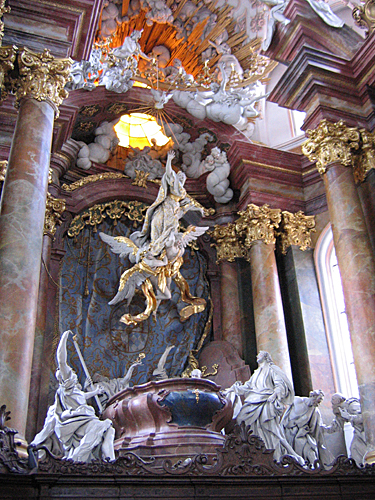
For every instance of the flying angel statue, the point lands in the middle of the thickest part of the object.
(156, 251)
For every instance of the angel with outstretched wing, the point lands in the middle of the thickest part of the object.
(154, 275)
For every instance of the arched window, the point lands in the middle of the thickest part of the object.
(335, 319)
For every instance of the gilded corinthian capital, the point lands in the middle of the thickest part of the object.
(227, 243)
(331, 143)
(42, 77)
(296, 230)
(54, 208)
(258, 223)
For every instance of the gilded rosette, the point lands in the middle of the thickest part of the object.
(331, 143)
(227, 244)
(258, 223)
(42, 77)
(296, 230)
(54, 209)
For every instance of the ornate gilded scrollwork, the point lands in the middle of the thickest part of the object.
(258, 223)
(7, 59)
(331, 143)
(133, 210)
(227, 244)
(42, 77)
(337, 143)
(93, 178)
(364, 15)
(3, 169)
(296, 230)
(364, 161)
(3, 10)
(140, 178)
(54, 209)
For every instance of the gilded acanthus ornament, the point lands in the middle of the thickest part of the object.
(296, 230)
(3, 169)
(364, 15)
(54, 209)
(42, 77)
(7, 58)
(133, 210)
(258, 223)
(227, 244)
(364, 161)
(93, 178)
(140, 178)
(3, 10)
(331, 143)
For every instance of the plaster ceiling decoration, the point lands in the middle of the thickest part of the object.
(191, 51)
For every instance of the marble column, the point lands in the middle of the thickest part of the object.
(22, 212)
(332, 145)
(268, 308)
(258, 225)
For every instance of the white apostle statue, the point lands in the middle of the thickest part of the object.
(71, 429)
(267, 393)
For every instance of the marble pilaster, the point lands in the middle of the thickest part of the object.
(37, 364)
(230, 305)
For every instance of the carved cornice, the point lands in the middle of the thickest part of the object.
(42, 77)
(296, 230)
(133, 210)
(364, 15)
(331, 143)
(258, 223)
(54, 209)
(93, 178)
(227, 244)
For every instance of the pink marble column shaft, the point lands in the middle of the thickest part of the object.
(40, 327)
(22, 212)
(230, 305)
(357, 268)
(268, 309)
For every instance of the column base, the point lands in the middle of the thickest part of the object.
(369, 457)
(21, 446)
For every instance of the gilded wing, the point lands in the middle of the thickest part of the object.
(121, 245)
(130, 280)
(192, 234)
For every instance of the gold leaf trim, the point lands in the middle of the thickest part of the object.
(133, 210)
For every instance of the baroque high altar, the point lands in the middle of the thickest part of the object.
(167, 242)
